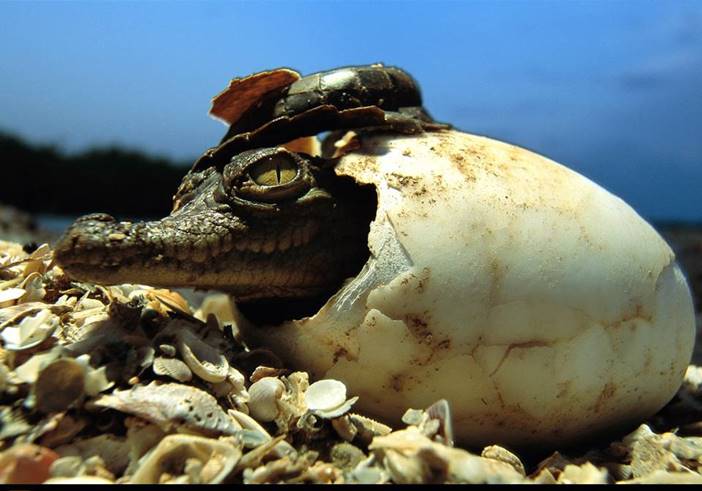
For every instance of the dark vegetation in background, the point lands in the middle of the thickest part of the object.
(125, 183)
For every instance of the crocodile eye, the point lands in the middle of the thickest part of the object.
(273, 172)
(267, 175)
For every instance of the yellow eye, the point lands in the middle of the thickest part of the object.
(273, 172)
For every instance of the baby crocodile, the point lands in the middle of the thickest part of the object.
(251, 217)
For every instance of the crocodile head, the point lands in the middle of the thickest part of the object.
(252, 218)
(270, 224)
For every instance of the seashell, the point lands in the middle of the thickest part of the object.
(171, 456)
(319, 473)
(263, 371)
(4, 377)
(170, 299)
(95, 378)
(141, 437)
(64, 467)
(113, 451)
(346, 456)
(401, 448)
(34, 288)
(31, 331)
(29, 370)
(327, 399)
(26, 464)
(496, 452)
(172, 367)
(89, 316)
(276, 448)
(666, 477)
(543, 308)
(404, 469)
(66, 427)
(236, 378)
(689, 448)
(87, 303)
(13, 314)
(167, 350)
(89, 480)
(583, 474)
(219, 304)
(172, 406)
(9, 296)
(368, 428)
(248, 423)
(440, 411)
(59, 385)
(344, 427)
(264, 395)
(367, 472)
(13, 422)
(205, 361)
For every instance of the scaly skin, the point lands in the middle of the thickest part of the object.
(298, 233)
(294, 243)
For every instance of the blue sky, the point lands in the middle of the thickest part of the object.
(612, 89)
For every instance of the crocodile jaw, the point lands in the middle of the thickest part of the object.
(201, 250)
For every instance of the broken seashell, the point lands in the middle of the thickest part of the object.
(205, 361)
(171, 406)
(368, 428)
(170, 299)
(9, 296)
(344, 428)
(95, 480)
(26, 464)
(275, 447)
(441, 411)
(59, 385)
(12, 315)
(13, 422)
(263, 371)
(34, 288)
(456, 465)
(219, 304)
(29, 370)
(367, 472)
(64, 467)
(248, 423)
(327, 399)
(170, 456)
(141, 437)
(113, 452)
(172, 367)
(583, 474)
(31, 331)
(95, 378)
(264, 395)
(65, 428)
(496, 452)
(167, 350)
(346, 456)
(666, 477)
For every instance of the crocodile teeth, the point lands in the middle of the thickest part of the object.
(285, 241)
(227, 243)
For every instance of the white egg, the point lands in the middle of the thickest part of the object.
(542, 307)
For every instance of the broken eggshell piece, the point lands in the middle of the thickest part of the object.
(542, 307)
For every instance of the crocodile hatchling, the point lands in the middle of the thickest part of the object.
(414, 262)
(251, 217)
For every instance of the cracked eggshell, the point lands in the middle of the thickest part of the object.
(542, 307)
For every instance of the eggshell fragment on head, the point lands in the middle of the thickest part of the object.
(542, 307)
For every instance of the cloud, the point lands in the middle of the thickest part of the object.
(673, 68)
